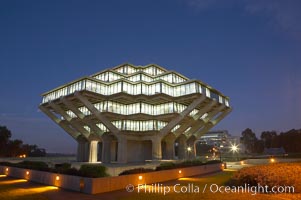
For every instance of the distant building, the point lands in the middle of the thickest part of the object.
(220, 139)
(135, 113)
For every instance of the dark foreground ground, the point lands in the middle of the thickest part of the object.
(188, 188)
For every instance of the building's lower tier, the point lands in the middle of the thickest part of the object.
(125, 149)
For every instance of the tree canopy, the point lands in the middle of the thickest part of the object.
(289, 140)
(15, 148)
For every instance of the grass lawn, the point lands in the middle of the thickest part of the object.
(12, 189)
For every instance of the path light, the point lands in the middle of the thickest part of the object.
(6, 169)
(140, 177)
(57, 178)
(27, 172)
(180, 171)
(272, 160)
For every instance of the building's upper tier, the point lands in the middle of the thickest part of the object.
(148, 80)
(132, 73)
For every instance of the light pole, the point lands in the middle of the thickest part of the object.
(220, 154)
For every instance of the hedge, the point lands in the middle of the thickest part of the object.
(93, 171)
(169, 165)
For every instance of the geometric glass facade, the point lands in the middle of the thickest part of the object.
(135, 113)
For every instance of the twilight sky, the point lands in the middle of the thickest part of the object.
(250, 50)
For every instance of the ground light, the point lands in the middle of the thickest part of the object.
(223, 166)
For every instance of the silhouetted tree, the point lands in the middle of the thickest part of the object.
(5, 134)
(13, 148)
(249, 139)
(259, 146)
(290, 141)
(268, 138)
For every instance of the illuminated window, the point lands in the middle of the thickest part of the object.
(207, 92)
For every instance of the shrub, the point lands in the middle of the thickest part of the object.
(212, 162)
(136, 171)
(189, 163)
(37, 165)
(279, 174)
(93, 171)
(5, 163)
(166, 165)
(62, 167)
(71, 171)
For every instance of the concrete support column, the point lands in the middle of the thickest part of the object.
(194, 148)
(170, 149)
(192, 153)
(182, 150)
(156, 148)
(99, 152)
(93, 151)
(106, 148)
(113, 151)
(122, 150)
(81, 151)
(86, 152)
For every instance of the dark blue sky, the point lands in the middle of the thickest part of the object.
(248, 49)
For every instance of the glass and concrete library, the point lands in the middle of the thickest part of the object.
(130, 114)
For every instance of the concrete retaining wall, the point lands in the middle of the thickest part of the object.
(47, 178)
(106, 184)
